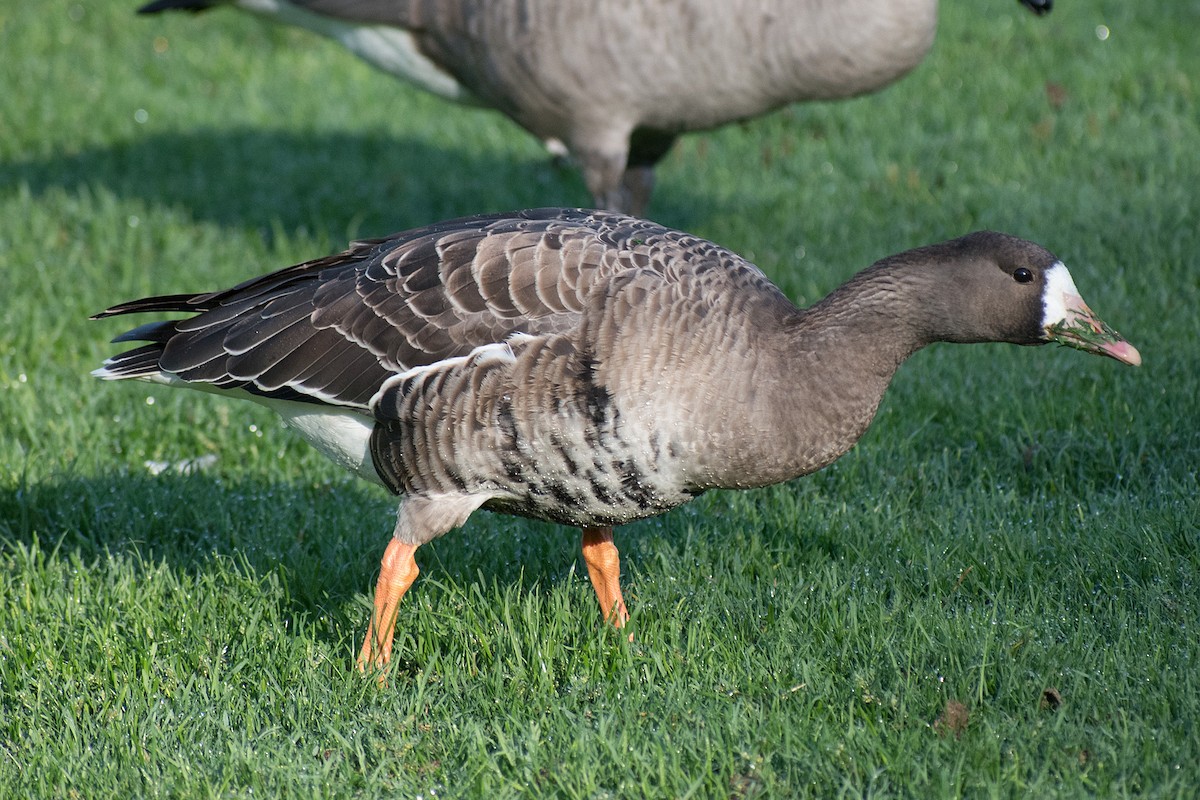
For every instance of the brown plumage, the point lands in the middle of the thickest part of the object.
(582, 367)
(616, 83)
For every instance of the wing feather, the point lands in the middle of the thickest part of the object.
(334, 329)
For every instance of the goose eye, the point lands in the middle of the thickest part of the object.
(1023, 275)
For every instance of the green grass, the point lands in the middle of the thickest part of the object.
(1016, 521)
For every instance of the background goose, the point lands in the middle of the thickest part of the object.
(616, 83)
(581, 367)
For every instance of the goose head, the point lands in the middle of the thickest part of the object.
(993, 287)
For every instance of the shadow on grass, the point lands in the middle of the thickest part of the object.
(341, 183)
(322, 541)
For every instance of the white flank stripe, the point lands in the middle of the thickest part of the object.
(494, 353)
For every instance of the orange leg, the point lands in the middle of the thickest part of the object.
(604, 568)
(398, 572)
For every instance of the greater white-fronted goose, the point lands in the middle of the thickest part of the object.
(582, 367)
(616, 83)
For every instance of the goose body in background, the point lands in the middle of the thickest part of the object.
(616, 83)
(583, 367)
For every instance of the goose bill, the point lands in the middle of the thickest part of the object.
(1082, 329)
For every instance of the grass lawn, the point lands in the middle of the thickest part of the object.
(997, 594)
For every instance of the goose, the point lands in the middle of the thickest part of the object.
(614, 84)
(583, 367)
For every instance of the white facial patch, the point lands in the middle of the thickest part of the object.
(1060, 298)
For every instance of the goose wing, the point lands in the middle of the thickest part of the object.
(332, 330)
